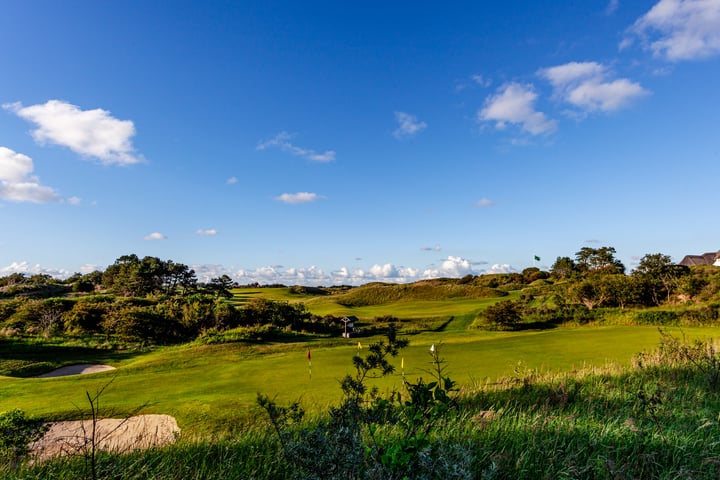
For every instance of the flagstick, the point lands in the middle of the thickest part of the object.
(309, 357)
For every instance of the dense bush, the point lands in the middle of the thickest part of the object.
(17, 431)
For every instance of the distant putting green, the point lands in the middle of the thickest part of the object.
(211, 388)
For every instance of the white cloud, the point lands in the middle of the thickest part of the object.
(585, 86)
(155, 236)
(568, 74)
(408, 125)
(500, 268)
(232, 180)
(679, 29)
(454, 267)
(26, 268)
(387, 270)
(451, 267)
(514, 103)
(17, 183)
(282, 142)
(612, 7)
(90, 267)
(484, 202)
(436, 248)
(90, 133)
(74, 200)
(300, 197)
(210, 232)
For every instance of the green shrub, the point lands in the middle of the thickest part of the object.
(656, 317)
(17, 432)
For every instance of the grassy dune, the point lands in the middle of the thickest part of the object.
(374, 301)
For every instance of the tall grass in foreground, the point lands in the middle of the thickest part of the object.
(658, 419)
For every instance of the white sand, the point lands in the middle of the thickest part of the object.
(111, 434)
(80, 369)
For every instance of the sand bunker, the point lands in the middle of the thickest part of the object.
(80, 369)
(112, 435)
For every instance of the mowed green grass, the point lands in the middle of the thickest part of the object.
(212, 389)
(404, 309)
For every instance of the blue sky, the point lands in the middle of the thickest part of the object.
(323, 143)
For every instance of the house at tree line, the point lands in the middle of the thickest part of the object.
(710, 258)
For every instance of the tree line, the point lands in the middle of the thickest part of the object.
(161, 301)
(576, 288)
(142, 299)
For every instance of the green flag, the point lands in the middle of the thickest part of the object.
(537, 259)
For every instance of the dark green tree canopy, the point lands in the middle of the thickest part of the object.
(131, 276)
(563, 267)
(598, 260)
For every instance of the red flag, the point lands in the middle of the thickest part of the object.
(308, 355)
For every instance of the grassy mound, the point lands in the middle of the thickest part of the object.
(382, 293)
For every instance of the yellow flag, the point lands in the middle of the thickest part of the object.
(359, 346)
(402, 362)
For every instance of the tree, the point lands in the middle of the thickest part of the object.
(661, 274)
(260, 311)
(40, 316)
(86, 315)
(179, 276)
(122, 276)
(622, 291)
(591, 293)
(598, 260)
(563, 267)
(221, 286)
(531, 274)
(505, 313)
(131, 276)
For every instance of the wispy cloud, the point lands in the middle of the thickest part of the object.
(586, 86)
(514, 103)
(90, 133)
(282, 142)
(17, 184)
(232, 181)
(408, 125)
(209, 232)
(481, 80)
(484, 202)
(612, 7)
(679, 29)
(300, 197)
(436, 248)
(155, 236)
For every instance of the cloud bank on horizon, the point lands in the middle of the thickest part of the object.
(452, 267)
